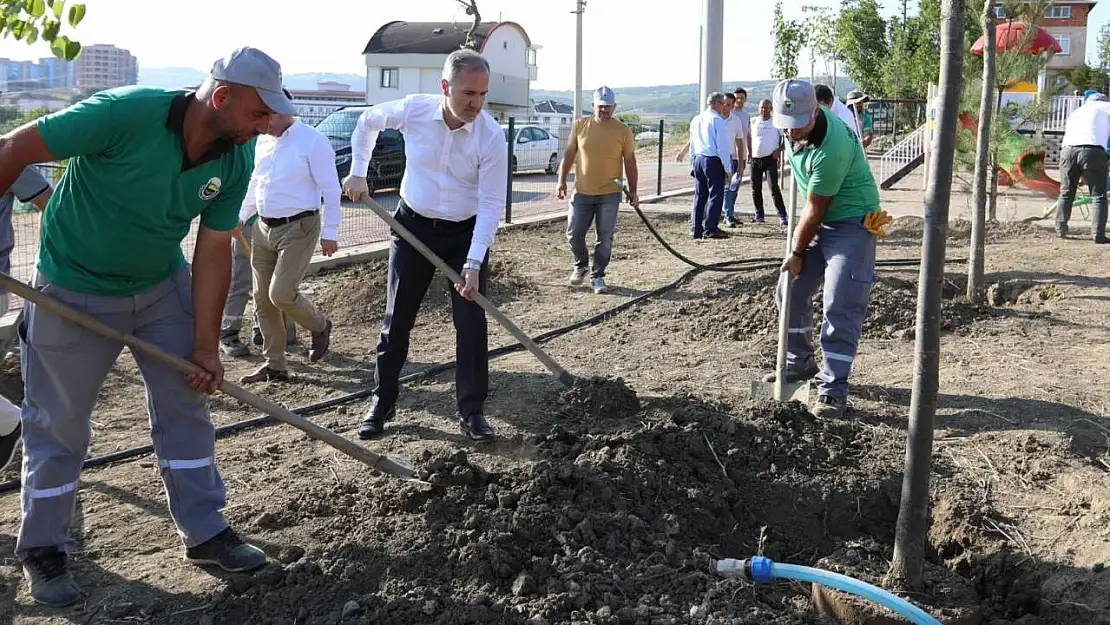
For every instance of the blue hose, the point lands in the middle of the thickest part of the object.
(763, 570)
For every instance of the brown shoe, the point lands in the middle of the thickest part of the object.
(265, 374)
(320, 342)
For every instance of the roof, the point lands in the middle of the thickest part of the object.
(553, 106)
(428, 37)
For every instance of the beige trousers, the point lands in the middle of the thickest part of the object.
(279, 259)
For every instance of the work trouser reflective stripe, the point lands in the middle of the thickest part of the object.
(844, 259)
(64, 367)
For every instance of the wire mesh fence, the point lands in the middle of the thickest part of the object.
(538, 146)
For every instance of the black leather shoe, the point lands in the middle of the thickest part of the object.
(374, 423)
(476, 427)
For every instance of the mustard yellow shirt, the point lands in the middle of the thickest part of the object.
(602, 147)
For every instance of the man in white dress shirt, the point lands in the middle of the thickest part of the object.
(1083, 154)
(711, 165)
(452, 197)
(767, 146)
(294, 167)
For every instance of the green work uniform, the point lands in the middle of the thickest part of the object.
(115, 223)
(836, 167)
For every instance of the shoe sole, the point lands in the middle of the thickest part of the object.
(242, 569)
(56, 605)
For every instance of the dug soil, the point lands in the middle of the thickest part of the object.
(607, 502)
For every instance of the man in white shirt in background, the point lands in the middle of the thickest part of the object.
(739, 126)
(1083, 153)
(452, 197)
(294, 167)
(826, 98)
(766, 152)
(711, 166)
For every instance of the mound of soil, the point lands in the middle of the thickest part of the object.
(604, 528)
(745, 307)
(1022, 292)
(913, 228)
(600, 398)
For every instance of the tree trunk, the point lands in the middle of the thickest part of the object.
(975, 271)
(907, 567)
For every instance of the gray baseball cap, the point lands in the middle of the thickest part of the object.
(793, 102)
(252, 67)
(604, 96)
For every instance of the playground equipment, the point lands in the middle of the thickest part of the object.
(1020, 161)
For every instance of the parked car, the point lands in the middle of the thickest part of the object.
(535, 148)
(387, 164)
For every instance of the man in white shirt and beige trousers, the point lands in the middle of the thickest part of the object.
(452, 197)
(294, 167)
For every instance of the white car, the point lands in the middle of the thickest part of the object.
(535, 148)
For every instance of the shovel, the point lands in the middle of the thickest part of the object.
(396, 467)
(780, 389)
(486, 305)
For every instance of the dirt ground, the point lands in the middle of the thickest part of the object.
(608, 509)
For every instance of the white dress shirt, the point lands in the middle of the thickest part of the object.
(1087, 125)
(291, 175)
(765, 137)
(709, 136)
(846, 115)
(449, 174)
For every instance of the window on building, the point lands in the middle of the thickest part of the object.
(389, 77)
(999, 13)
(531, 56)
(1058, 12)
(1065, 44)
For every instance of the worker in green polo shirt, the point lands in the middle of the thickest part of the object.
(834, 241)
(144, 163)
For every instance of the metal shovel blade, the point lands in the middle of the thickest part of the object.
(791, 391)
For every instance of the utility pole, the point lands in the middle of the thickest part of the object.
(713, 43)
(578, 60)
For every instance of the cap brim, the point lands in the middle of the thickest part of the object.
(597, 103)
(277, 102)
(787, 122)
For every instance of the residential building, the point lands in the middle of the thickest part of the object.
(403, 58)
(102, 66)
(1066, 21)
(314, 105)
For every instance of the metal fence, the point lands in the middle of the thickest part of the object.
(537, 147)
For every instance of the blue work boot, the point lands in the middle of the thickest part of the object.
(227, 551)
(829, 407)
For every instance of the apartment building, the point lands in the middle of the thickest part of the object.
(1066, 20)
(103, 66)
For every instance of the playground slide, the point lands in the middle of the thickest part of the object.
(1021, 161)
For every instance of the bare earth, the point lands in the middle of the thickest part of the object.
(599, 508)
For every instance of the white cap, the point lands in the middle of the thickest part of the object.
(604, 97)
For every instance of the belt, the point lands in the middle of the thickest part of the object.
(274, 222)
(434, 222)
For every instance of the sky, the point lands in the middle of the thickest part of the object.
(624, 43)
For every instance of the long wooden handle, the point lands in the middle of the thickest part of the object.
(525, 340)
(395, 467)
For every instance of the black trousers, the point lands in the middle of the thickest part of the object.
(410, 274)
(766, 168)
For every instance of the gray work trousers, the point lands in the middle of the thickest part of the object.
(1090, 162)
(844, 258)
(64, 366)
(601, 211)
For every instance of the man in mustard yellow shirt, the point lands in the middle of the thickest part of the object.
(601, 144)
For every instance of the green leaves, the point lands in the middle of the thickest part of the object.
(30, 21)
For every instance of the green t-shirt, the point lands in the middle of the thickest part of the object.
(866, 122)
(115, 223)
(834, 165)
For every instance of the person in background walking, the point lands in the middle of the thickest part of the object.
(834, 242)
(294, 168)
(601, 145)
(766, 153)
(452, 197)
(711, 165)
(30, 187)
(739, 126)
(1083, 153)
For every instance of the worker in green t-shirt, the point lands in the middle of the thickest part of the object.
(833, 242)
(144, 163)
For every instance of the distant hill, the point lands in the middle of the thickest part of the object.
(674, 100)
(177, 77)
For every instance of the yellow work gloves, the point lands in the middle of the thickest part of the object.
(875, 222)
